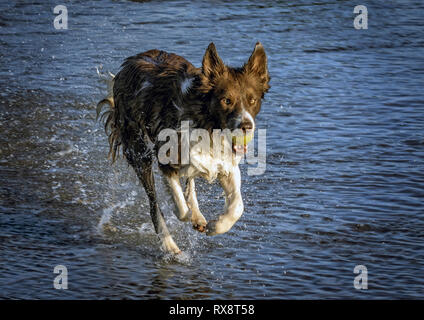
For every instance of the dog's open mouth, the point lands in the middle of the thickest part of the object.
(240, 142)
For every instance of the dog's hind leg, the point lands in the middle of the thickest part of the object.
(197, 219)
(183, 212)
(145, 174)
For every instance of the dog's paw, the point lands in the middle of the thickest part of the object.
(199, 227)
(199, 223)
(211, 228)
(169, 246)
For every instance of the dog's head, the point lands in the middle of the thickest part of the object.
(235, 93)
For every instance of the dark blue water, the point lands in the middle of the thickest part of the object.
(344, 182)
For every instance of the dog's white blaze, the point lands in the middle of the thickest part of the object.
(186, 84)
(247, 115)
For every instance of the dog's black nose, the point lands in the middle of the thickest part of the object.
(246, 125)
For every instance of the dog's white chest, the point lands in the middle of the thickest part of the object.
(207, 166)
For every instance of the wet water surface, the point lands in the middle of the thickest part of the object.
(344, 182)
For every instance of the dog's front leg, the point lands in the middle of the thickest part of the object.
(233, 204)
(197, 219)
(178, 195)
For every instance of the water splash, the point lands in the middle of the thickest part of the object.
(105, 220)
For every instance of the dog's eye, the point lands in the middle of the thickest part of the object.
(226, 101)
(252, 101)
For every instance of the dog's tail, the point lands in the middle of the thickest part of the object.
(111, 116)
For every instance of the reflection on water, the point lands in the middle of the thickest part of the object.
(344, 184)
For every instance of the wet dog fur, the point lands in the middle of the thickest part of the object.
(156, 90)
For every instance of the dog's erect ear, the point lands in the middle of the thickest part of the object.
(212, 64)
(257, 65)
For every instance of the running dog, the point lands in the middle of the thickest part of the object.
(156, 90)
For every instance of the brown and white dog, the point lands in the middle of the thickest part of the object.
(156, 90)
